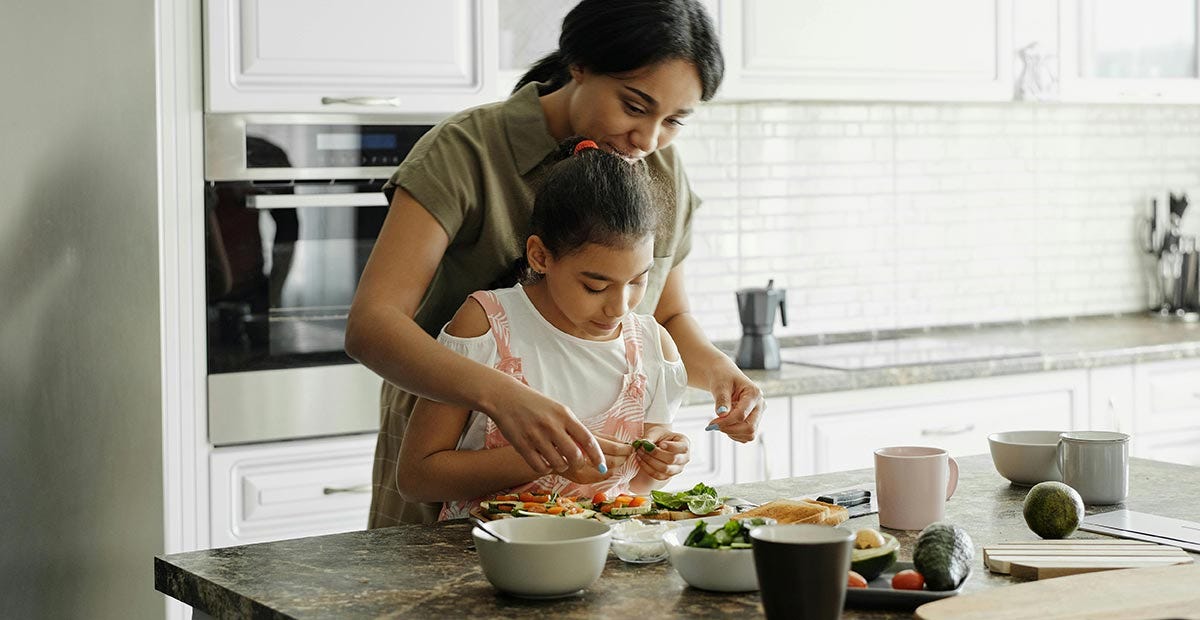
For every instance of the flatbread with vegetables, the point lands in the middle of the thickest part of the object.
(699, 501)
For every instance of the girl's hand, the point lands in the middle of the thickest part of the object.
(671, 452)
(615, 455)
(739, 404)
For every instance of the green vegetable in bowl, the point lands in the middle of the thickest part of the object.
(735, 534)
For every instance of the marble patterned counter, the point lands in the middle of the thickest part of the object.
(419, 571)
(1064, 344)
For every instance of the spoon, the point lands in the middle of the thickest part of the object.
(482, 526)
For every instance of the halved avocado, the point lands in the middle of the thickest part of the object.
(870, 563)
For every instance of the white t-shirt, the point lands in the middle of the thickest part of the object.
(585, 375)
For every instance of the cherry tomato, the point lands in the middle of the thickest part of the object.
(599, 498)
(908, 580)
(856, 580)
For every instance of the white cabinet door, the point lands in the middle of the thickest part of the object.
(1111, 400)
(841, 430)
(1169, 446)
(1129, 51)
(930, 50)
(388, 56)
(712, 451)
(770, 455)
(290, 489)
(1166, 422)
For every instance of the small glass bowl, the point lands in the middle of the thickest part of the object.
(637, 542)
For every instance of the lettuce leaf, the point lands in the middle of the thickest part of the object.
(700, 499)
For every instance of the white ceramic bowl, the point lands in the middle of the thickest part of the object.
(719, 570)
(1026, 457)
(547, 558)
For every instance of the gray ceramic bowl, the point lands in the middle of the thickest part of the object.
(548, 557)
(1026, 457)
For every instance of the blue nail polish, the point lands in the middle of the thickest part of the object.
(722, 409)
(603, 468)
(712, 427)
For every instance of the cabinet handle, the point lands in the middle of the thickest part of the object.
(950, 430)
(361, 488)
(375, 101)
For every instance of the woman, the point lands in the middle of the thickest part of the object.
(627, 74)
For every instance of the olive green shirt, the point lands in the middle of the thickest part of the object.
(476, 173)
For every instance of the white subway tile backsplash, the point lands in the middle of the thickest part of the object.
(885, 216)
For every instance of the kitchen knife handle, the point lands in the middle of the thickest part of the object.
(852, 497)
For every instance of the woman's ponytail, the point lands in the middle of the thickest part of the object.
(552, 69)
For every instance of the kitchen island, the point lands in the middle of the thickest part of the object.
(431, 571)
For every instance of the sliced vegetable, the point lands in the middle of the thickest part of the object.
(908, 580)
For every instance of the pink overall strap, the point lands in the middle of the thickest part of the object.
(631, 334)
(497, 319)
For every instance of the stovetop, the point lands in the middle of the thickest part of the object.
(898, 352)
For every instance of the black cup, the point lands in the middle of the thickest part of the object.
(802, 569)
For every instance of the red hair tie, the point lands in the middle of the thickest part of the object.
(583, 146)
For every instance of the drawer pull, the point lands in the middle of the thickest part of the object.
(393, 102)
(945, 431)
(361, 488)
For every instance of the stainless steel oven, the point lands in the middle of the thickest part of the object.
(293, 207)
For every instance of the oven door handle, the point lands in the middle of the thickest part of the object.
(297, 201)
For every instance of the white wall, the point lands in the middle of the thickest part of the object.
(80, 419)
(883, 216)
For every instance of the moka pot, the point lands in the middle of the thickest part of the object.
(758, 348)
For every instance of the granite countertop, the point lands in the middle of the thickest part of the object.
(430, 570)
(1064, 344)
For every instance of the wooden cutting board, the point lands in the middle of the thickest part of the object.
(1132, 594)
(1042, 559)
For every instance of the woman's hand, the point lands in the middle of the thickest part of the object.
(671, 452)
(739, 404)
(545, 433)
(615, 455)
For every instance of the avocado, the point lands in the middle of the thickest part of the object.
(871, 562)
(1053, 510)
(943, 555)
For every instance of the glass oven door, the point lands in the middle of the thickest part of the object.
(283, 263)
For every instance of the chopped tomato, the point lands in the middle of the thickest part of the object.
(908, 580)
(599, 498)
(530, 497)
(623, 500)
(525, 497)
(504, 508)
(555, 510)
(511, 497)
(856, 580)
(607, 508)
(534, 508)
(637, 501)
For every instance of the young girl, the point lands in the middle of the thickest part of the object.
(569, 333)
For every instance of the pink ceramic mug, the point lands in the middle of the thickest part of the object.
(912, 484)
